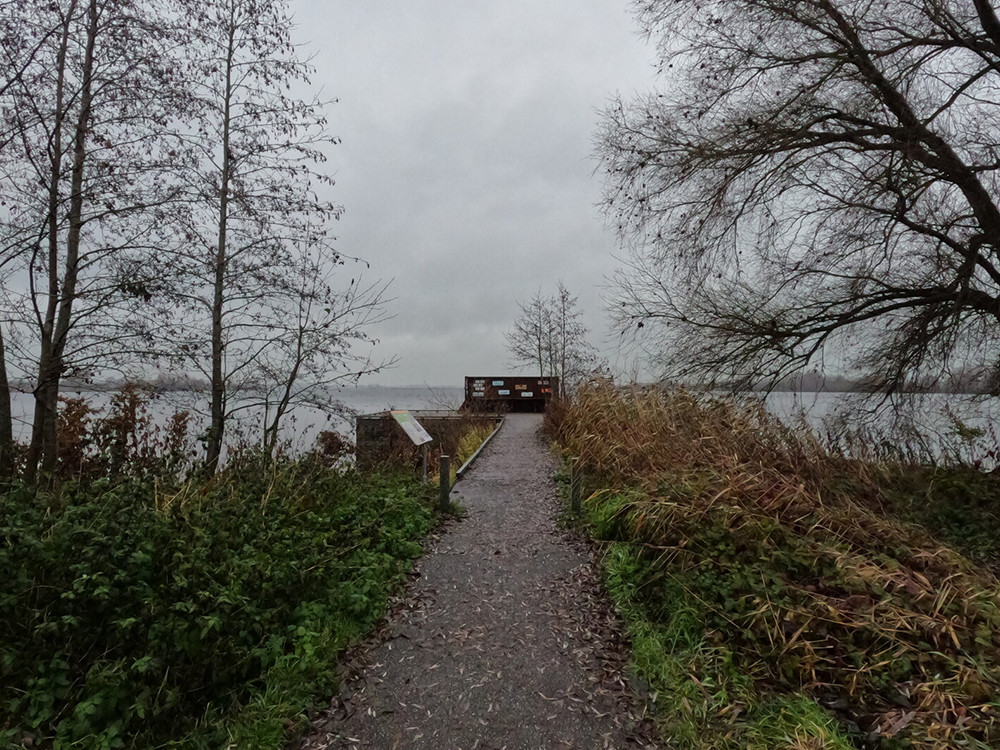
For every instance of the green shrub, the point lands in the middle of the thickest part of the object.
(131, 617)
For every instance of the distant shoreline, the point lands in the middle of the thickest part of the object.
(194, 386)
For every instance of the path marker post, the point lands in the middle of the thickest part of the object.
(445, 481)
(574, 485)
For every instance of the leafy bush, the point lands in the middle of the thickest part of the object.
(122, 440)
(131, 617)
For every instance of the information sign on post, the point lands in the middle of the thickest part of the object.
(416, 432)
(413, 429)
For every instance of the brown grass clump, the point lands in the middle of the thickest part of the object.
(791, 554)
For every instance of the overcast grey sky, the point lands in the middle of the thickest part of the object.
(466, 169)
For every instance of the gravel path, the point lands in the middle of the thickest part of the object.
(504, 639)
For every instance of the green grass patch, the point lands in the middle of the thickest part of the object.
(704, 698)
(470, 441)
(207, 616)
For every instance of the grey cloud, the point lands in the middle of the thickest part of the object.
(465, 166)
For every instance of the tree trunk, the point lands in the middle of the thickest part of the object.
(563, 338)
(562, 364)
(41, 405)
(44, 400)
(71, 270)
(6, 420)
(213, 448)
(271, 434)
(539, 344)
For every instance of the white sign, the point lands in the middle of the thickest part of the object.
(504, 393)
(527, 394)
(412, 427)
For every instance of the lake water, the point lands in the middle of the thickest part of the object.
(930, 417)
(300, 426)
(936, 424)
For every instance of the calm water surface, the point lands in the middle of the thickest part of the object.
(931, 417)
(938, 424)
(299, 428)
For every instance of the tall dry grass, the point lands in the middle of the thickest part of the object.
(793, 555)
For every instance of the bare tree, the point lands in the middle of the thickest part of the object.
(573, 358)
(320, 342)
(256, 201)
(814, 176)
(89, 108)
(528, 340)
(160, 207)
(23, 35)
(548, 333)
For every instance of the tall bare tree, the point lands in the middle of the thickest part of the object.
(82, 177)
(813, 176)
(160, 205)
(320, 341)
(256, 201)
(573, 358)
(527, 340)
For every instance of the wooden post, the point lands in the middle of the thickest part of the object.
(445, 481)
(424, 447)
(574, 485)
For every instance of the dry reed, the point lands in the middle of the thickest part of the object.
(796, 562)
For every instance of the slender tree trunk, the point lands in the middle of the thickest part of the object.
(540, 345)
(562, 364)
(45, 398)
(218, 405)
(72, 266)
(6, 419)
(42, 400)
(286, 396)
(563, 340)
